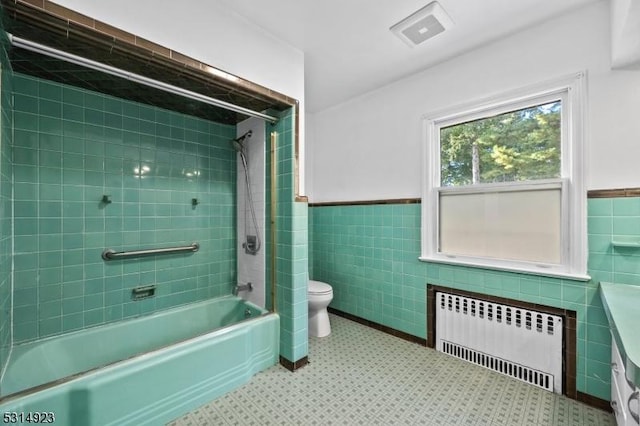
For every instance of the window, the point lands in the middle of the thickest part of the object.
(503, 182)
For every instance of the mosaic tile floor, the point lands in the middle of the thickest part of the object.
(360, 376)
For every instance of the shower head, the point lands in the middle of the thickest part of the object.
(238, 143)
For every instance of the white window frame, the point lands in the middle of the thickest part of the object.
(571, 91)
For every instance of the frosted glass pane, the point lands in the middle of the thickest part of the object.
(518, 225)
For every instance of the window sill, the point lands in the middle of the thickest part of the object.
(533, 270)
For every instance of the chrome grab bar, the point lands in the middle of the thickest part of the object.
(110, 254)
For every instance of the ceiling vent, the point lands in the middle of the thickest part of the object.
(420, 26)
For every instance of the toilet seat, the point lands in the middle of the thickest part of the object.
(319, 288)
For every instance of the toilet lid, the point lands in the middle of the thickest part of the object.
(318, 287)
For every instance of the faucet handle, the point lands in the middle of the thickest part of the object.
(242, 287)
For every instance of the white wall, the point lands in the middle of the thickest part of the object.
(209, 32)
(371, 147)
(625, 33)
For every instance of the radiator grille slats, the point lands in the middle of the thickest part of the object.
(520, 343)
(520, 372)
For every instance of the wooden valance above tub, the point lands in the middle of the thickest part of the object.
(44, 22)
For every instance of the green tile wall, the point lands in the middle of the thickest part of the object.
(6, 123)
(291, 251)
(73, 146)
(369, 254)
(614, 219)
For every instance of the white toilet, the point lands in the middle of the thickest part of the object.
(320, 295)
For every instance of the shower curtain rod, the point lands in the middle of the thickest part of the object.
(108, 69)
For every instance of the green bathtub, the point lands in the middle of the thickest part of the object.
(145, 371)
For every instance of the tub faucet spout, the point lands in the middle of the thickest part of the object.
(244, 287)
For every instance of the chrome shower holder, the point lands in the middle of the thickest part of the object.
(250, 245)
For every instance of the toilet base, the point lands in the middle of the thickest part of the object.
(319, 325)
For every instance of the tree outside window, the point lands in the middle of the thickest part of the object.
(515, 146)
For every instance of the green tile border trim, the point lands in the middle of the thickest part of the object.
(293, 365)
(397, 333)
(614, 193)
(367, 202)
(569, 344)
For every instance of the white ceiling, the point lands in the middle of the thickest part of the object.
(349, 49)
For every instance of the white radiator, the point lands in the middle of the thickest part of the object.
(523, 344)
